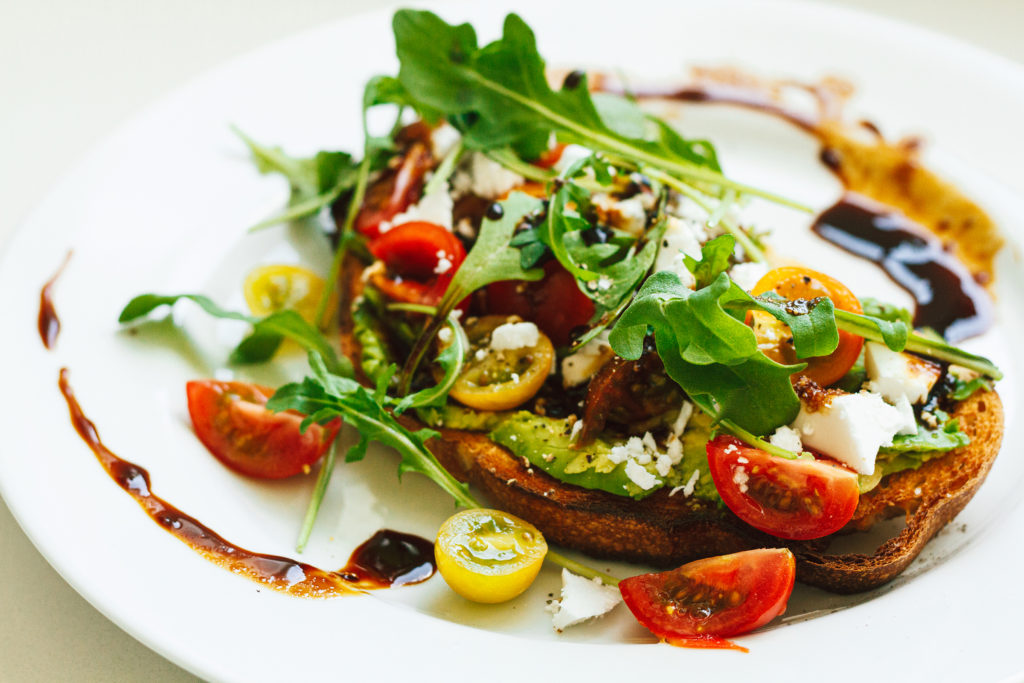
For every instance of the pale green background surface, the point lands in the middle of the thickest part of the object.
(74, 71)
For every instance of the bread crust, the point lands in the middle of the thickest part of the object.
(664, 530)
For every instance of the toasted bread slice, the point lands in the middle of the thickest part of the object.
(666, 530)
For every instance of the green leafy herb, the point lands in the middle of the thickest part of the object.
(324, 397)
(491, 259)
(886, 311)
(267, 333)
(315, 182)
(963, 390)
(498, 96)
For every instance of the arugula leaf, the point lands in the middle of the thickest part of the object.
(315, 182)
(267, 334)
(879, 309)
(893, 333)
(964, 390)
(325, 397)
(498, 96)
(708, 352)
(452, 360)
(715, 256)
(947, 437)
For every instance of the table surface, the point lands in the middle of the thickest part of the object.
(68, 82)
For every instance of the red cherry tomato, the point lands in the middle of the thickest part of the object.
(796, 499)
(555, 304)
(414, 253)
(714, 598)
(232, 422)
(394, 192)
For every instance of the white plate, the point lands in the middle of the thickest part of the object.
(163, 206)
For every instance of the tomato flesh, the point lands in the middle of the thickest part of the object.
(272, 288)
(421, 259)
(794, 499)
(802, 283)
(231, 420)
(395, 192)
(713, 598)
(489, 556)
(554, 303)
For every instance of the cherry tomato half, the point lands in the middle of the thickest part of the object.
(488, 555)
(231, 421)
(395, 191)
(717, 597)
(773, 337)
(501, 380)
(421, 260)
(797, 499)
(554, 303)
(551, 156)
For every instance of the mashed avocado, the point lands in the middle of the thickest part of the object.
(545, 442)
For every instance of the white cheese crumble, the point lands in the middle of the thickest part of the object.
(511, 336)
(445, 335)
(639, 475)
(740, 478)
(444, 262)
(435, 207)
(788, 439)
(685, 413)
(893, 374)
(624, 214)
(579, 367)
(851, 428)
(746, 275)
(681, 238)
(577, 427)
(570, 155)
(691, 483)
(484, 178)
(582, 599)
(442, 140)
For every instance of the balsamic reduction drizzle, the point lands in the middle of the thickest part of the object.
(48, 323)
(389, 558)
(948, 299)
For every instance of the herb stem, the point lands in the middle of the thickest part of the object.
(444, 170)
(344, 237)
(749, 437)
(323, 478)
(580, 568)
(742, 238)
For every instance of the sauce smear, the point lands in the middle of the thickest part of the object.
(388, 558)
(948, 299)
(48, 322)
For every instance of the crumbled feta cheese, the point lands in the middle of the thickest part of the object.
(649, 442)
(511, 336)
(604, 283)
(582, 599)
(435, 207)
(740, 478)
(674, 450)
(685, 413)
(480, 354)
(691, 483)
(639, 475)
(444, 262)
(570, 155)
(680, 239)
(746, 275)
(579, 367)
(851, 428)
(893, 374)
(484, 178)
(624, 214)
(787, 438)
(663, 465)
(577, 427)
(442, 140)
(909, 425)
(445, 335)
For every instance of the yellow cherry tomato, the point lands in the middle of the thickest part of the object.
(273, 288)
(500, 380)
(488, 555)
